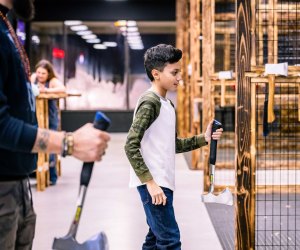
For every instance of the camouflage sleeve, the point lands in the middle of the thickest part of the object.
(142, 121)
(188, 144)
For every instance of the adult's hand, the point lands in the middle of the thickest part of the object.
(89, 143)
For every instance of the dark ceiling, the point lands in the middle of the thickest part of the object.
(101, 10)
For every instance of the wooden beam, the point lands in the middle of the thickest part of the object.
(208, 32)
(253, 33)
(282, 7)
(181, 29)
(272, 32)
(260, 31)
(186, 61)
(245, 181)
(195, 31)
(227, 52)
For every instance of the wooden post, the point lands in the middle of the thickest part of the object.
(208, 31)
(227, 51)
(272, 32)
(181, 29)
(253, 163)
(195, 74)
(299, 102)
(260, 37)
(42, 171)
(42, 176)
(245, 181)
(186, 60)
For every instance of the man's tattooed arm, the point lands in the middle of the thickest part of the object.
(48, 141)
(42, 141)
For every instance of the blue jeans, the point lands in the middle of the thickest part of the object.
(53, 125)
(52, 168)
(163, 229)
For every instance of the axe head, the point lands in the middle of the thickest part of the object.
(97, 242)
(276, 69)
(225, 197)
(225, 74)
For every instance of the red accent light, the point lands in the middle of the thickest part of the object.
(58, 53)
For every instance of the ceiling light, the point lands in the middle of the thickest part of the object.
(91, 36)
(137, 48)
(134, 37)
(35, 39)
(132, 29)
(131, 23)
(110, 44)
(99, 46)
(120, 23)
(79, 28)
(72, 22)
(136, 33)
(93, 40)
(84, 33)
(137, 39)
(135, 44)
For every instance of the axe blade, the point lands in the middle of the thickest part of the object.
(97, 242)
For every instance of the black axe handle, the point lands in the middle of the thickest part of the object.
(101, 122)
(213, 143)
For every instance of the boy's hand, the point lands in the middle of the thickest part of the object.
(216, 135)
(157, 194)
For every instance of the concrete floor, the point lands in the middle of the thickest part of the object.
(114, 208)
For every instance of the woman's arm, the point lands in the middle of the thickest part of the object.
(55, 86)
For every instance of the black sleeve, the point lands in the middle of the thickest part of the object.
(15, 134)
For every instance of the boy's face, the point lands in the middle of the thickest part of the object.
(169, 78)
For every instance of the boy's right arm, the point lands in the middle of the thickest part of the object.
(144, 117)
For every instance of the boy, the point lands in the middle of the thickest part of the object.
(151, 145)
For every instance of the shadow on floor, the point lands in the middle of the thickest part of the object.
(222, 218)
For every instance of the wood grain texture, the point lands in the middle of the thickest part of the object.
(196, 91)
(245, 181)
(208, 32)
(180, 30)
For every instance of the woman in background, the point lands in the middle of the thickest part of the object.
(46, 81)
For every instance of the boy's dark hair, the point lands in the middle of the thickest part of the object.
(158, 56)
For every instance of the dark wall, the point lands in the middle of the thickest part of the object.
(72, 120)
(91, 10)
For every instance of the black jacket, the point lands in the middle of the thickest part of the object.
(18, 126)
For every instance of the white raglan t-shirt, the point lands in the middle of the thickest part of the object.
(158, 148)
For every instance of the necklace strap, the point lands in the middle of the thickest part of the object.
(19, 46)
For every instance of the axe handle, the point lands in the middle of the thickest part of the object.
(271, 115)
(213, 143)
(101, 122)
(223, 90)
(265, 114)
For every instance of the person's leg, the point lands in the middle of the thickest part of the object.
(26, 229)
(52, 157)
(52, 169)
(150, 240)
(9, 213)
(162, 222)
